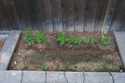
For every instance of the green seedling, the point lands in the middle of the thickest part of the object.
(61, 39)
(40, 38)
(29, 39)
(105, 40)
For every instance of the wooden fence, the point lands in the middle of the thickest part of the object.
(58, 15)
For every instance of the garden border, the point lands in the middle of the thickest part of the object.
(11, 76)
(8, 48)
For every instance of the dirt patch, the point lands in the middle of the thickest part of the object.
(56, 58)
(1, 43)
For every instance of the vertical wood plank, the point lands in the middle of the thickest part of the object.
(48, 26)
(68, 14)
(56, 15)
(79, 15)
(101, 8)
(90, 15)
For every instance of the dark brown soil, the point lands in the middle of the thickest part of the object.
(67, 58)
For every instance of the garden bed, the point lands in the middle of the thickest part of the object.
(55, 54)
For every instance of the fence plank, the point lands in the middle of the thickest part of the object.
(58, 15)
(68, 14)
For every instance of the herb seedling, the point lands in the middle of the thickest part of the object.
(29, 39)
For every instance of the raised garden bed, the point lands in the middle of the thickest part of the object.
(70, 51)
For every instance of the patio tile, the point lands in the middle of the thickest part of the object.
(10, 76)
(74, 77)
(119, 77)
(120, 38)
(8, 48)
(33, 77)
(97, 77)
(55, 77)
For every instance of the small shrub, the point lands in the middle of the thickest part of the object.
(105, 40)
(29, 39)
(40, 38)
(72, 40)
(61, 39)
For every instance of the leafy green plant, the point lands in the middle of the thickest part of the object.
(61, 38)
(29, 39)
(73, 40)
(44, 67)
(40, 38)
(92, 40)
(85, 40)
(105, 40)
(89, 40)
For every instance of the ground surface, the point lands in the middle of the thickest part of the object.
(55, 58)
(60, 77)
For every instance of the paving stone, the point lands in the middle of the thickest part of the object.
(55, 77)
(119, 77)
(10, 76)
(97, 77)
(33, 77)
(74, 77)
(120, 38)
(8, 48)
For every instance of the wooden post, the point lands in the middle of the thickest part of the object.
(105, 26)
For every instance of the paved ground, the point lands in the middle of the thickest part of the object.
(60, 77)
(8, 48)
(120, 38)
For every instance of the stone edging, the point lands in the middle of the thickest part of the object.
(120, 39)
(8, 49)
(60, 77)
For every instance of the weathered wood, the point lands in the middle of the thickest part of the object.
(68, 14)
(60, 15)
(56, 15)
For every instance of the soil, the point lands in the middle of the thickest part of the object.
(1, 43)
(53, 57)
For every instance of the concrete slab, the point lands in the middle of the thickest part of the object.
(97, 77)
(8, 48)
(33, 77)
(55, 77)
(120, 39)
(119, 77)
(74, 77)
(10, 76)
